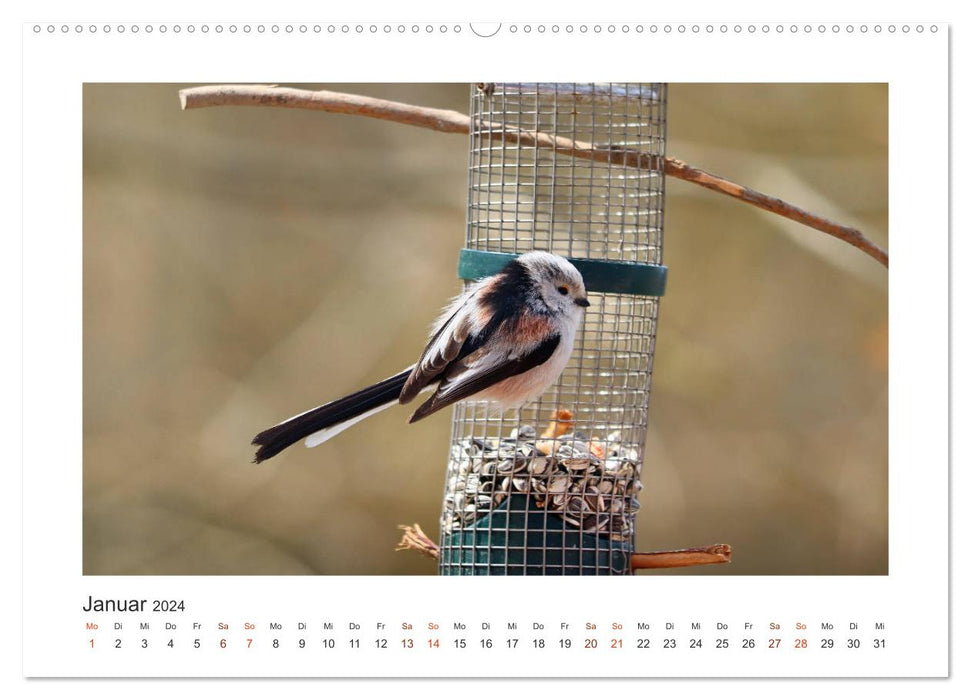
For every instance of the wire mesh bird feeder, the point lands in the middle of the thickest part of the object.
(577, 170)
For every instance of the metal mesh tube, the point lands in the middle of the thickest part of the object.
(521, 498)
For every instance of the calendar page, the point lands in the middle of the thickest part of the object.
(320, 315)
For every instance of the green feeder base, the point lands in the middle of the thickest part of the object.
(519, 538)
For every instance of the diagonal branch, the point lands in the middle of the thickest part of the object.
(452, 122)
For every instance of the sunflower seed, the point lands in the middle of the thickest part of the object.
(594, 492)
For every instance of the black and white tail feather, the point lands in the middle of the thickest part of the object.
(506, 339)
(324, 422)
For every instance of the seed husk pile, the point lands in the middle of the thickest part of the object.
(591, 484)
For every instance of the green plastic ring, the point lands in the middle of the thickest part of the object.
(605, 276)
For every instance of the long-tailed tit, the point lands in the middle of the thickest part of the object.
(506, 339)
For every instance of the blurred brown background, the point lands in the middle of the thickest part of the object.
(243, 264)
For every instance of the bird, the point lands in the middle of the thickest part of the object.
(506, 339)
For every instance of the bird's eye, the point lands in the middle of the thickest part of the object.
(563, 290)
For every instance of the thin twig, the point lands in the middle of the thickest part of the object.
(450, 121)
(683, 171)
(695, 556)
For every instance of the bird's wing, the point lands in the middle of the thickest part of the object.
(444, 347)
(482, 369)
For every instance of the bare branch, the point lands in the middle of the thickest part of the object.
(695, 556)
(446, 120)
(683, 171)
(452, 122)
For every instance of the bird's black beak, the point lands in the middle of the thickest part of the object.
(582, 301)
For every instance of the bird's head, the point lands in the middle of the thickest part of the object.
(557, 283)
